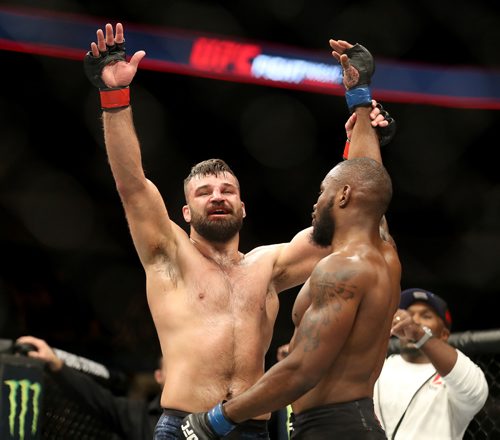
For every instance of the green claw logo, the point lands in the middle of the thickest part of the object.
(25, 389)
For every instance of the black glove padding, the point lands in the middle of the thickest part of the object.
(196, 427)
(386, 134)
(94, 66)
(362, 60)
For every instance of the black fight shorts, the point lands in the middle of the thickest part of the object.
(354, 420)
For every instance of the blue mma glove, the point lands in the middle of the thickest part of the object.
(359, 94)
(209, 425)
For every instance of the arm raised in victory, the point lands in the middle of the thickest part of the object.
(107, 68)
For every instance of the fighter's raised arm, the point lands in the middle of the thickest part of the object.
(358, 68)
(342, 314)
(297, 258)
(107, 68)
(200, 287)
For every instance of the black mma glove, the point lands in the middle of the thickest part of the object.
(209, 425)
(386, 134)
(111, 97)
(361, 60)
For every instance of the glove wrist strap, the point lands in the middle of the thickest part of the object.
(114, 98)
(220, 423)
(359, 96)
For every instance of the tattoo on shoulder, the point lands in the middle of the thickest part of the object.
(329, 292)
(330, 287)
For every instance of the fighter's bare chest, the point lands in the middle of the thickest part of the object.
(302, 302)
(236, 288)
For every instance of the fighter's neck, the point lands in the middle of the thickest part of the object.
(224, 254)
(351, 235)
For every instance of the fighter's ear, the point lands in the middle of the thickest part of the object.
(186, 212)
(345, 196)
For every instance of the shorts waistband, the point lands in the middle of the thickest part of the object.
(365, 402)
(175, 412)
(248, 425)
(253, 425)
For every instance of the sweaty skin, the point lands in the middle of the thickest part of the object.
(353, 304)
(343, 313)
(213, 307)
(214, 320)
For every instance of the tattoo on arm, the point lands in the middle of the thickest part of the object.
(327, 289)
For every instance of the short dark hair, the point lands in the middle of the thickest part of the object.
(371, 177)
(209, 167)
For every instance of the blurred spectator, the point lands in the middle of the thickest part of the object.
(430, 390)
(129, 419)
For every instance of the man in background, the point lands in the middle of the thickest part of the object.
(430, 390)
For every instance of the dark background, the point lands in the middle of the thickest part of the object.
(69, 272)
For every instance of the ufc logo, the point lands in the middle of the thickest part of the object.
(188, 432)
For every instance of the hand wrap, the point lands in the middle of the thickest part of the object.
(111, 97)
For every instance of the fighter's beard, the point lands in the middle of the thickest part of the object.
(323, 230)
(220, 230)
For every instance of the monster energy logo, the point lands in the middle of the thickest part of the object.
(19, 409)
